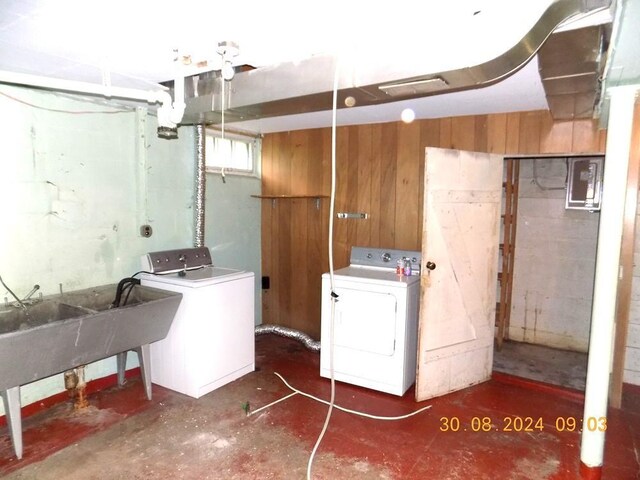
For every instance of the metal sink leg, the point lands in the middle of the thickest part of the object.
(144, 358)
(121, 362)
(11, 400)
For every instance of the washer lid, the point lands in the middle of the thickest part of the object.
(200, 277)
(374, 275)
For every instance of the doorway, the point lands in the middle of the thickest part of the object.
(546, 335)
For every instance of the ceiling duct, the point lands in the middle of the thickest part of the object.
(571, 66)
(293, 88)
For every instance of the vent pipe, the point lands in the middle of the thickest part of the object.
(200, 142)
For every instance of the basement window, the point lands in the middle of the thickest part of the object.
(235, 153)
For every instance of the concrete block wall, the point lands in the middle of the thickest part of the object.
(554, 262)
(632, 356)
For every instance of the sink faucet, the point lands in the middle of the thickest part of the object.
(27, 299)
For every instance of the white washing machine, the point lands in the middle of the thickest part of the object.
(211, 341)
(375, 325)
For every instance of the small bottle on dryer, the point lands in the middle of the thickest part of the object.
(407, 267)
(399, 267)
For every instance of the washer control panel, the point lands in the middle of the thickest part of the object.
(383, 257)
(176, 260)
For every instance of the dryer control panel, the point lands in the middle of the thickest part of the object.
(383, 257)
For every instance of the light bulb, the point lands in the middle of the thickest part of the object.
(408, 115)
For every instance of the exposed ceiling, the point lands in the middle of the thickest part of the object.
(623, 65)
(133, 44)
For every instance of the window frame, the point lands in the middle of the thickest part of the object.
(256, 150)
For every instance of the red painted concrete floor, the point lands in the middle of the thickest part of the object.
(174, 436)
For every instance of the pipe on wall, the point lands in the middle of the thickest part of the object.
(200, 137)
(170, 112)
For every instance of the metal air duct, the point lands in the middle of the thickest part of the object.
(571, 66)
(293, 88)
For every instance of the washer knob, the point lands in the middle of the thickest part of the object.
(386, 256)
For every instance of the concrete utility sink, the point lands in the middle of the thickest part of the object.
(64, 331)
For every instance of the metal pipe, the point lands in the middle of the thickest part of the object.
(80, 389)
(200, 185)
(306, 340)
(170, 112)
(606, 280)
(149, 96)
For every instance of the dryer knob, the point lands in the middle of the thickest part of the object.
(386, 256)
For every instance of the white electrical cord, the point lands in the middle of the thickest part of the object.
(224, 179)
(295, 391)
(332, 201)
(334, 299)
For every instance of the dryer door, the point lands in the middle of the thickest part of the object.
(366, 321)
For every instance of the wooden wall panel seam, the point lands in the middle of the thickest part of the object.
(380, 168)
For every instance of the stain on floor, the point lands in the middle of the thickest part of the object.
(124, 436)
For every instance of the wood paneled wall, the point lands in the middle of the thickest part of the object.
(380, 170)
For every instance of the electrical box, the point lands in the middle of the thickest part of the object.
(584, 183)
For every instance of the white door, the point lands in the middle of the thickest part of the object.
(461, 224)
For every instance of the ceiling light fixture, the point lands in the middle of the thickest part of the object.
(228, 50)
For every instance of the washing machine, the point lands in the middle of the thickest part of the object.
(375, 326)
(211, 341)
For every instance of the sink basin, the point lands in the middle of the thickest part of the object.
(100, 298)
(12, 318)
(67, 330)
(76, 328)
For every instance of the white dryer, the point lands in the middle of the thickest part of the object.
(375, 324)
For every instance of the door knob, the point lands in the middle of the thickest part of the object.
(430, 266)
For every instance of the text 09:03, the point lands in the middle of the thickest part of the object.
(522, 424)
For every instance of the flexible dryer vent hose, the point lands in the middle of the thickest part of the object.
(287, 332)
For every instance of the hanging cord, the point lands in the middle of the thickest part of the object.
(224, 179)
(334, 296)
(295, 392)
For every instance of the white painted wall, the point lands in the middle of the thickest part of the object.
(554, 263)
(74, 190)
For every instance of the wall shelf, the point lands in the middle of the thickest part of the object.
(273, 198)
(276, 197)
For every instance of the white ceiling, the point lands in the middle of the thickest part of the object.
(132, 43)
